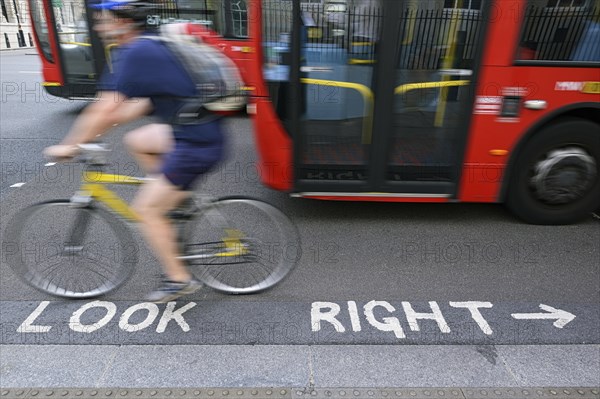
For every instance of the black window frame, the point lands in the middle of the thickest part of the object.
(546, 63)
(469, 8)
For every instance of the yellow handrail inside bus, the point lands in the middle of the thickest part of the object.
(432, 85)
(107, 51)
(78, 44)
(429, 85)
(367, 94)
(448, 63)
(358, 61)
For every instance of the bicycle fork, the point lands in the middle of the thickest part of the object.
(79, 225)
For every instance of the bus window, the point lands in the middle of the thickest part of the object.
(338, 90)
(74, 38)
(41, 27)
(239, 18)
(228, 18)
(561, 31)
(438, 51)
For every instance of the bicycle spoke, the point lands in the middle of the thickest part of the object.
(54, 266)
(255, 266)
(49, 282)
(96, 272)
(73, 267)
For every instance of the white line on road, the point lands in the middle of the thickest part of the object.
(562, 317)
(17, 185)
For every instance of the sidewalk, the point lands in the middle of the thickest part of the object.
(301, 367)
(19, 50)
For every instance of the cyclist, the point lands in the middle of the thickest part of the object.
(148, 79)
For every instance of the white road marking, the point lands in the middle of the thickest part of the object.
(75, 322)
(476, 314)
(50, 164)
(110, 309)
(28, 327)
(562, 317)
(150, 317)
(436, 315)
(391, 324)
(372, 312)
(378, 314)
(317, 315)
(353, 311)
(171, 314)
(17, 185)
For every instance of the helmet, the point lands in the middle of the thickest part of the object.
(136, 10)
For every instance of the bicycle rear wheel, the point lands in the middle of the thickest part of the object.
(240, 245)
(70, 251)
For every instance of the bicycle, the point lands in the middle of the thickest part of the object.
(236, 245)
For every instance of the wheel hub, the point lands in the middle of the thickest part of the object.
(564, 175)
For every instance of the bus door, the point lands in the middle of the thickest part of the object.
(80, 51)
(74, 56)
(386, 106)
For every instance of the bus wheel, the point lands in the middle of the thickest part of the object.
(556, 177)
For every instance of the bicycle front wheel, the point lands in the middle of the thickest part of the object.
(240, 245)
(70, 251)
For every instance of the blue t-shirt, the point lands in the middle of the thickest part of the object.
(146, 68)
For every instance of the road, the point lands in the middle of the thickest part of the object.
(384, 295)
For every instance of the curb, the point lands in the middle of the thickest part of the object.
(288, 393)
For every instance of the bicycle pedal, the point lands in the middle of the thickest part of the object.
(178, 214)
(184, 211)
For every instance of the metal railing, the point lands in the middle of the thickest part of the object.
(426, 35)
(560, 34)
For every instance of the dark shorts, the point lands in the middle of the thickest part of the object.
(190, 160)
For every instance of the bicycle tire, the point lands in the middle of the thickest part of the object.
(37, 236)
(271, 238)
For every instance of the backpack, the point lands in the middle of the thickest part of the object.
(217, 79)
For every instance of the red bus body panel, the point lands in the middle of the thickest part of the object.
(51, 70)
(489, 135)
(483, 173)
(491, 140)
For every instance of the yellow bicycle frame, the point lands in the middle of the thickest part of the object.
(93, 186)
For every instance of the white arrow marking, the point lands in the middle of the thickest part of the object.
(563, 317)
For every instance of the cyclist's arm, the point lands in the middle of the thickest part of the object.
(111, 108)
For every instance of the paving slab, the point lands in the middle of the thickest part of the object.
(54, 366)
(407, 366)
(569, 365)
(298, 366)
(209, 366)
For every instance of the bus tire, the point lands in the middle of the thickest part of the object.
(556, 178)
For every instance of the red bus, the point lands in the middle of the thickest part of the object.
(398, 100)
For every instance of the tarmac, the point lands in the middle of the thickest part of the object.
(297, 371)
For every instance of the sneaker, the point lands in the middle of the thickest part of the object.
(169, 290)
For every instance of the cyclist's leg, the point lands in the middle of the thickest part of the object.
(148, 144)
(153, 201)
